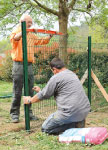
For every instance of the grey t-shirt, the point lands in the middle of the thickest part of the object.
(72, 102)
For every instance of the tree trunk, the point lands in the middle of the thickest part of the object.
(63, 22)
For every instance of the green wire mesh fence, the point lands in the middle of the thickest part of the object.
(43, 51)
(77, 61)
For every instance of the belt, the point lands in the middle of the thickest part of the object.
(21, 63)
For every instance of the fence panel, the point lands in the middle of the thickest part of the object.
(43, 53)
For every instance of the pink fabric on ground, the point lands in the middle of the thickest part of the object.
(94, 135)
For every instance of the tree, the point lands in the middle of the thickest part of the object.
(98, 34)
(62, 10)
(5, 45)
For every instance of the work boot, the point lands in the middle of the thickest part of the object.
(15, 118)
(32, 117)
(80, 124)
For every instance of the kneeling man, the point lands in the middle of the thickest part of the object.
(72, 103)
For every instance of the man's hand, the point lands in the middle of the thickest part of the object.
(36, 88)
(57, 32)
(51, 35)
(27, 99)
(35, 30)
(18, 36)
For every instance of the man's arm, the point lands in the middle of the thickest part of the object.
(18, 36)
(30, 100)
(34, 99)
(41, 40)
(46, 93)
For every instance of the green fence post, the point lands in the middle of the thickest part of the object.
(25, 70)
(89, 68)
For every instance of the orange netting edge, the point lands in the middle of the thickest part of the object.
(45, 31)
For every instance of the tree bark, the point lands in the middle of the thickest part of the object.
(63, 22)
(63, 38)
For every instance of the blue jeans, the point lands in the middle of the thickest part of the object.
(56, 124)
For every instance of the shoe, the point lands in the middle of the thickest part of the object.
(15, 120)
(33, 118)
(80, 124)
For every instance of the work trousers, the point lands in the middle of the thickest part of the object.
(18, 81)
(56, 124)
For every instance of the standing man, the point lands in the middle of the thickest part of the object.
(17, 71)
(72, 103)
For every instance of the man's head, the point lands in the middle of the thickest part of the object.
(57, 65)
(28, 19)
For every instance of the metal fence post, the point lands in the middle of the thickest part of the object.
(89, 68)
(25, 73)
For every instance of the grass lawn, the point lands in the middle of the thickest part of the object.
(14, 136)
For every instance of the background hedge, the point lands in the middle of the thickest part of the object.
(77, 62)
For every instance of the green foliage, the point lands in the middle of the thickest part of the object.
(6, 69)
(11, 11)
(81, 31)
(99, 61)
(98, 33)
(78, 63)
(41, 67)
(5, 89)
(48, 11)
(101, 17)
(5, 45)
(100, 66)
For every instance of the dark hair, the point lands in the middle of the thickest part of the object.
(57, 63)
